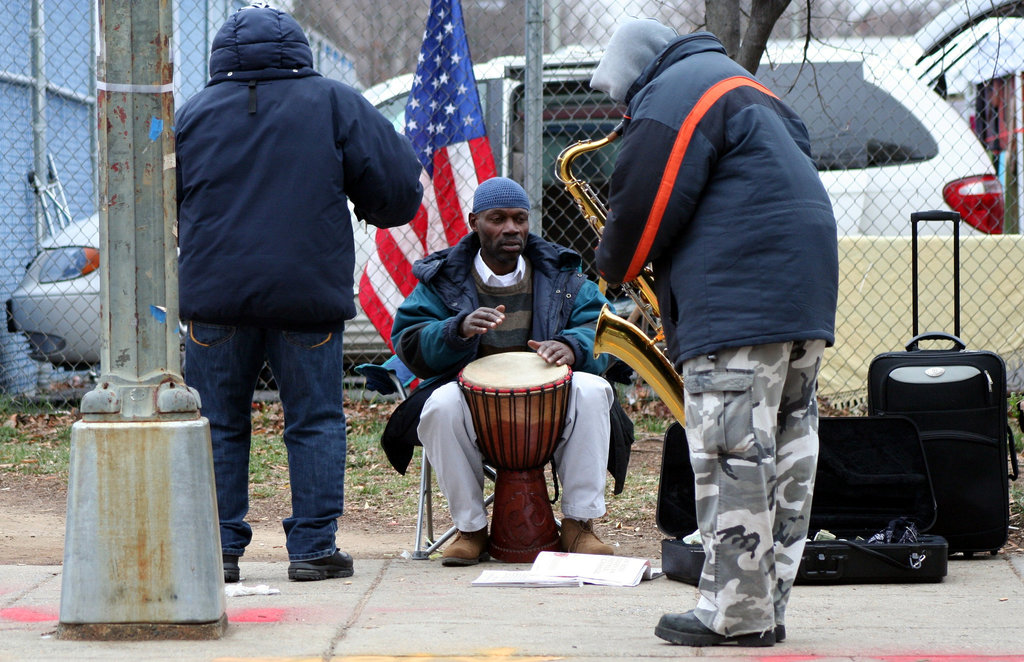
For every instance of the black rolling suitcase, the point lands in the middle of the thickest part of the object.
(957, 398)
(871, 478)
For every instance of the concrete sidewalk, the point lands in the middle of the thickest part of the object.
(405, 609)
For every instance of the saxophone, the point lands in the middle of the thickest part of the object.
(614, 335)
(594, 211)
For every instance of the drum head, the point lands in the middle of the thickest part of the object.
(512, 370)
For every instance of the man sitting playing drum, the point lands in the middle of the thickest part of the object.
(503, 289)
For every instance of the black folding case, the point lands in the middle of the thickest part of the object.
(957, 398)
(870, 472)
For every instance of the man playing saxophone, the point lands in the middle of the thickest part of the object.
(742, 240)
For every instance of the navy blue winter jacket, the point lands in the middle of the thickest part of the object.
(715, 186)
(426, 334)
(268, 155)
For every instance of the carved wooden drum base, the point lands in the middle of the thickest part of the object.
(525, 525)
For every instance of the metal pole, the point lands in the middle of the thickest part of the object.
(93, 131)
(142, 549)
(532, 122)
(1011, 187)
(555, 26)
(37, 35)
(1012, 191)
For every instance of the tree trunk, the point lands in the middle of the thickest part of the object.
(722, 18)
(763, 15)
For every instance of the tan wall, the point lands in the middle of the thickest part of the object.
(874, 312)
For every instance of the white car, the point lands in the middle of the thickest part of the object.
(57, 303)
(886, 144)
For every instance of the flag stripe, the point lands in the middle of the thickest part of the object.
(396, 262)
(483, 160)
(448, 205)
(376, 310)
(434, 234)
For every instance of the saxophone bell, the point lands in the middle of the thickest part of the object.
(625, 340)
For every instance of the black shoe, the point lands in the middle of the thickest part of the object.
(231, 572)
(780, 633)
(329, 567)
(686, 630)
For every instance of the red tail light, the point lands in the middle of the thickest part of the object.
(979, 200)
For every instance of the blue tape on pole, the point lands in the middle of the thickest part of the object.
(156, 127)
(159, 313)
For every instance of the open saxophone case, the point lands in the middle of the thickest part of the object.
(872, 493)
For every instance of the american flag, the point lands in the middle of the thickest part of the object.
(445, 123)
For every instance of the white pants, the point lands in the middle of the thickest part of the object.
(449, 440)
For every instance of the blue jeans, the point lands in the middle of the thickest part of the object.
(223, 364)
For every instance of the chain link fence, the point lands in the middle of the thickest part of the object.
(898, 123)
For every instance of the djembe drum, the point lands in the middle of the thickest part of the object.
(518, 403)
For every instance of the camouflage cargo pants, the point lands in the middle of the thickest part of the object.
(752, 429)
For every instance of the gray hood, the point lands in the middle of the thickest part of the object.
(632, 47)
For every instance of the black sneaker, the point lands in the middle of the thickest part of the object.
(231, 572)
(686, 630)
(329, 567)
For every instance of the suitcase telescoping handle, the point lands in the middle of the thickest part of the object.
(937, 215)
(958, 345)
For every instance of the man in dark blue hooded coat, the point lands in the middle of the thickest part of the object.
(269, 154)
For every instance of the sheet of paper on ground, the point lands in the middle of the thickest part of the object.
(522, 579)
(564, 569)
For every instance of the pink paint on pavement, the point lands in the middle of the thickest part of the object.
(921, 657)
(256, 615)
(27, 615)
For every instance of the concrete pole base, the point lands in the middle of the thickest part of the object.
(142, 631)
(142, 554)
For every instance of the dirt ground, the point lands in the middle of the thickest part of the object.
(32, 521)
(33, 509)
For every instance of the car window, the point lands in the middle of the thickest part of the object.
(394, 110)
(572, 112)
(852, 123)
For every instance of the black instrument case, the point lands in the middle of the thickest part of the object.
(871, 472)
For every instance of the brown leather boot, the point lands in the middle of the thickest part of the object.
(579, 538)
(468, 548)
